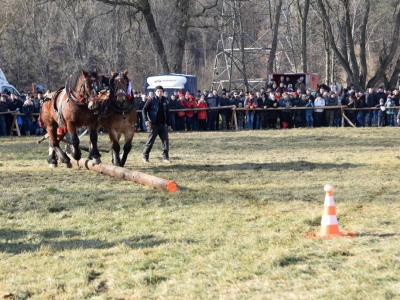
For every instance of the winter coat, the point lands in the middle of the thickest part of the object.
(309, 112)
(223, 101)
(273, 114)
(250, 103)
(190, 104)
(378, 96)
(202, 114)
(285, 103)
(352, 102)
(3, 106)
(28, 108)
(331, 101)
(360, 102)
(389, 103)
(370, 101)
(212, 102)
(15, 105)
(151, 107)
(319, 102)
(173, 104)
(382, 110)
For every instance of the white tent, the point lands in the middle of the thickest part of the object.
(2, 77)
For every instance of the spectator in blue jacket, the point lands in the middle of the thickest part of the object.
(309, 114)
(285, 114)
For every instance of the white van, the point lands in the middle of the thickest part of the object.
(5, 86)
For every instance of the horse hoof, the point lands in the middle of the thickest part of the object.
(52, 166)
(68, 165)
(96, 161)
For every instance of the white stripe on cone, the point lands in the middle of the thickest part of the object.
(329, 201)
(329, 220)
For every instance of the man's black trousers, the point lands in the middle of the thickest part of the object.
(154, 131)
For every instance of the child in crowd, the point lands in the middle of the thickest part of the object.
(389, 111)
(309, 114)
(381, 112)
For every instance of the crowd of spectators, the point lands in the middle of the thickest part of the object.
(25, 104)
(283, 94)
(279, 95)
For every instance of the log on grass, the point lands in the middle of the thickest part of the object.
(123, 173)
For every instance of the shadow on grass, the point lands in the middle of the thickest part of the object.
(300, 165)
(16, 242)
(378, 235)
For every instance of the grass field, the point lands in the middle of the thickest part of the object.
(236, 229)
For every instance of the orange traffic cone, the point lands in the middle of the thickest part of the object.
(329, 223)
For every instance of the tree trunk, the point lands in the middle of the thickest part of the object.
(327, 58)
(182, 29)
(155, 35)
(350, 42)
(385, 61)
(238, 14)
(303, 32)
(271, 58)
(363, 56)
(342, 60)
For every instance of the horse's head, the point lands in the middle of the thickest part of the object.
(89, 88)
(120, 87)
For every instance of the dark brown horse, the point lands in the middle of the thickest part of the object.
(68, 109)
(119, 115)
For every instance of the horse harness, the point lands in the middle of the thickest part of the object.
(83, 100)
(119, 88)
(58, 106)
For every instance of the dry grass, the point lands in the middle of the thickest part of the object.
(235, 230)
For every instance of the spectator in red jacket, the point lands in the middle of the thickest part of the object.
(202, 114)
(190, 103)
(181, 114)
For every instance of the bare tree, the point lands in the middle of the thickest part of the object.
(182, 16)
(303, 16)
(274, 44)
(356, 68)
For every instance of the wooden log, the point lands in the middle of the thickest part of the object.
(123, 173)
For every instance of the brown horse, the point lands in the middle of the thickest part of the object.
(68, 109)
(119, 115)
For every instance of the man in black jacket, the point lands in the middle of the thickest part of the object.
(3, 108)
(156, 116)
(370, 103)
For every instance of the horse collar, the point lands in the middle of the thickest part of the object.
(70, 94)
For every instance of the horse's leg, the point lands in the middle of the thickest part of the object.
(94, 151)
(51, 158)
(127, 147)
(115, 147)
(55, 148)
(76, 152)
